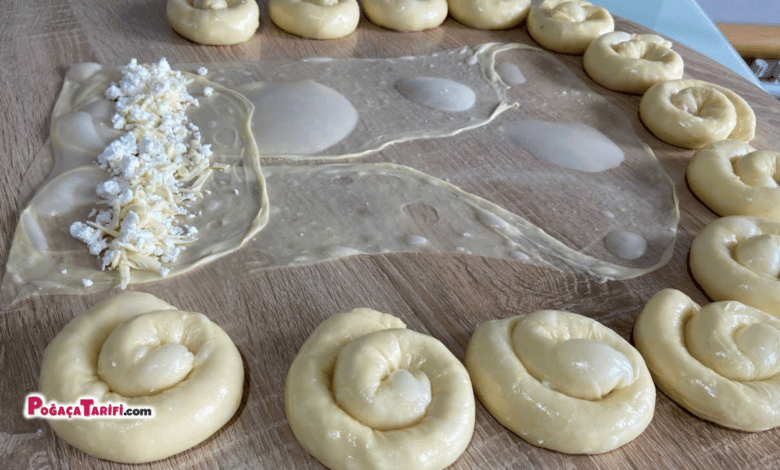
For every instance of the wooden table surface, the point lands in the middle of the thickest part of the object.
(270, 313)
(753, 40)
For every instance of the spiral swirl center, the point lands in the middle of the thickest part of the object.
(569, 11)
(378, 382)
(705, 103)
(737, 341)
(760, 253)
(758, 168)
(210, 4)
(146, 354)
(561, 356)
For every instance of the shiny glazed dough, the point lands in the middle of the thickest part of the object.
(720, 362)
(489, 14)
(561, 381)
(738, 258)
(693, 113)
(365, 392)
(631, 63)
(138, 350)
(214, 22)
(568, 26)
(315, 19)
(732, 178)
(406, 15)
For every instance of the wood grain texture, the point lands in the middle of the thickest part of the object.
(270, 313)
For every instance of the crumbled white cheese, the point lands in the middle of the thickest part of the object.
(157, 167)
(202, 71)
(86, 282)
(208, 91)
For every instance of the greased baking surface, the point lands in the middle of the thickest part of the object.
(473, 105)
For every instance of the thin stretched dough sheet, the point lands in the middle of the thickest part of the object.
(377, 208)
(401, 181)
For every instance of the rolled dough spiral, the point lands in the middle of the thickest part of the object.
(365, 392)
(561, 381)
(315, 19)
(721, 362)
(631, 63)
(406, 15)
(214, 22)
(738, 258)
(568, 26)
(733, 178)
(693, 113)
(489, 14)
(138, 350)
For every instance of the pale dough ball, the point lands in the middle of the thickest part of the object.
(720, 362)
(568, 26)
(137, 350)
(406, 15)
(561, 381)
(631, 63)
(738, 258)
(315, 19)
(693, 113)
(365, 392)
(489, 14)
(732, 178)
(214, 22)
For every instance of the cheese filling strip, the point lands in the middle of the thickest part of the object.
(535, 167)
